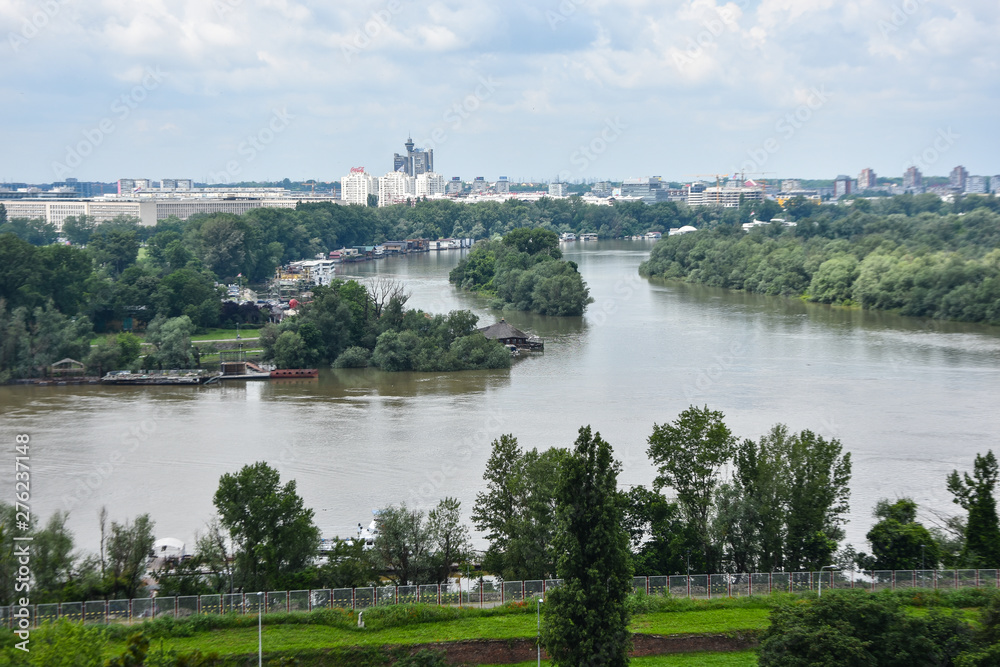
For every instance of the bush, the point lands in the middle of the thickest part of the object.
(353, 357)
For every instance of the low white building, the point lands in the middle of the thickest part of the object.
(316, 271)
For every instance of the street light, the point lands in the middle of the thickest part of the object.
(539, 640)
(260, 629)
(831, 567)
(922, 566)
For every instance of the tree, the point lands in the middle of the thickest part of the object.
(449, 536)
(129, 546)
(975, 495)
(403, 545)
(898, 541)
(172, 338)
(52, 561)
(78, 229)
(517, 511)
(586, 618)
(272, 531)
(115, 248)
(818, 477)
(689, 455)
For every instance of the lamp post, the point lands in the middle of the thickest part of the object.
(825, 567)
(539, 640)
(922, 566)
(260, 629)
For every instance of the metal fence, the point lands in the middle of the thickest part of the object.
(705, 586)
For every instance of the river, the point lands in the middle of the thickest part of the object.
(910, 399)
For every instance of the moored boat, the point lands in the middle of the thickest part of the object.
(279, 373)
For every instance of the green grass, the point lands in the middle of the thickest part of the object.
(736, 659)
(226, 334)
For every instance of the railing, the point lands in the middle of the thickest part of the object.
(694, 586)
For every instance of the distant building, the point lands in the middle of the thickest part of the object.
(176, 184)
(842, 185)
(866, 180)
(416, 161)
(479, 184)
(790, 184)
(505, 333)
(913, 180)
(995, 183)
(454, 186)
(357, 185)
(557, 189)
(128, 185)
(956, 179)
(429, 184)
(395, 188)
(502, 186)
(601, 189)
(730, 195)
(975, 185)
(650, 189)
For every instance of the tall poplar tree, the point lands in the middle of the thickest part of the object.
(975, 495)
(586, 618)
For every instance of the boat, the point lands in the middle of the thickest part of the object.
(588, 237)
(171, 378)
(567, 236)
(281, 373)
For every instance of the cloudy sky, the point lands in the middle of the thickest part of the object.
(227, 90)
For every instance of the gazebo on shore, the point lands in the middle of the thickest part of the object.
(506, 334)
(67, 368)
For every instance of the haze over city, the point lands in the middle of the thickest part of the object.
(102, 90)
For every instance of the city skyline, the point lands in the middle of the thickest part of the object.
(242, 90)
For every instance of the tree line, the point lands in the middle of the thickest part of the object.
(523, 271)
(905, 254)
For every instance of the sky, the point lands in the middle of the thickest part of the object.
(230, 90)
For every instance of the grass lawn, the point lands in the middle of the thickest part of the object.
(737, 659)
(299, 637)
(226, 334)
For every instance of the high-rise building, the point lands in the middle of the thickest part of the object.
(454, 186)
(557, 189)
(913, 180)
(956, 179)
(395, 188)
(479, 184)
(416, 161)
(842, 186)
(975, 185)
(429, 184)
(791, 184)
(866, 180)
(502, 186)
(995, 184)
(357, 185)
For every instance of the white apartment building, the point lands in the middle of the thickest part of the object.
(395, 188)
(357, 185)
(975, 185)
(317, 271)
(995, 184)
(725, 196)
(557, 189)
(429, 184)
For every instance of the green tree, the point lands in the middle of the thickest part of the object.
(53, 560)
(172, 338)
(449, 536)
(587, 617)
(404, 546)
(78, 229)
(689, 455)
(115, 248)
(128, 548)
(898, 540)
(273, 533)
(975, 495)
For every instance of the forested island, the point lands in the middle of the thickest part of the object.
(524, 271)
(913, 255)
